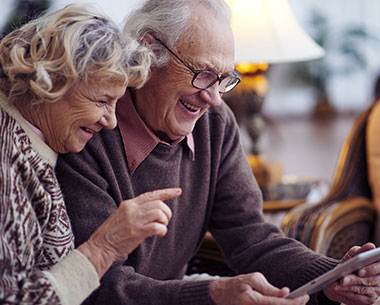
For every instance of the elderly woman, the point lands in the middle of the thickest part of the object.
(60, 78)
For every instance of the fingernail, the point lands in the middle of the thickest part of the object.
(362, 272)
(346, 281)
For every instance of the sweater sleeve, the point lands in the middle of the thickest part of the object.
(23, 287)
(248, 242)
(68, 282)
(121, 284)
(74, 278)
(20, 280)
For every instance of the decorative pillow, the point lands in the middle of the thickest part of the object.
(373, 161)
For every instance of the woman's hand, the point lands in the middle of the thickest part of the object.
(133, 221)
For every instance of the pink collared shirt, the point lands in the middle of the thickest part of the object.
(138, 139)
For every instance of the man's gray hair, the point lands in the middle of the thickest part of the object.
(169, 20)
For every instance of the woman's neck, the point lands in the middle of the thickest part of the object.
(35, 116)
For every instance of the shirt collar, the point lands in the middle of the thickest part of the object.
(36, 130)
(138, 140)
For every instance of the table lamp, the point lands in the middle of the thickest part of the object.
(266, 32)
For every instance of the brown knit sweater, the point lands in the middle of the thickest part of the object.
(219, 194)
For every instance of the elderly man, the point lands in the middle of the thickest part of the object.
(176, 131)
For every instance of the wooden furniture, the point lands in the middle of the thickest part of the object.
(278, 205)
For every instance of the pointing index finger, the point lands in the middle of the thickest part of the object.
(162, 194)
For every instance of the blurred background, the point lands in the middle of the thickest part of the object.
(306, 108)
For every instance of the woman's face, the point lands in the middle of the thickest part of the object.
(72, 121)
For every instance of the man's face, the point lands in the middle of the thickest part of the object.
(169, 104)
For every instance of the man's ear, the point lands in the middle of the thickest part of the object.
(148, 39)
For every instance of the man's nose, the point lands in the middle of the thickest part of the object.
(211, 95)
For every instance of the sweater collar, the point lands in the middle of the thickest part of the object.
(138, 140)
(38, 144)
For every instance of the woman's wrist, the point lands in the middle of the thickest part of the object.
(97, 257)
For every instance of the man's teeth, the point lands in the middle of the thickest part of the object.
(190, 106)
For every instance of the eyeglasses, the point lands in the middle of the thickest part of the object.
(204, 79)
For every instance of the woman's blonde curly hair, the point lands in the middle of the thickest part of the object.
(45, 59)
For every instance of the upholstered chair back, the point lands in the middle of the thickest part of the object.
(373, 161)
(346, 216)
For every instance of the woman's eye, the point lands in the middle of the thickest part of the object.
(101, 103)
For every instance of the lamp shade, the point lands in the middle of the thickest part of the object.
(267, 31)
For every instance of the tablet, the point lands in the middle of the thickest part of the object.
(359, 261)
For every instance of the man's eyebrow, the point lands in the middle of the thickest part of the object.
(208, 67)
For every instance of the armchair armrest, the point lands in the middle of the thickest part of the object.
(331, 228)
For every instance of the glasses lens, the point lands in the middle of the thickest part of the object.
(204, 79)
(228, 83)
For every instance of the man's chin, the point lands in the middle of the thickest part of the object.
(182, 134)
(174, 136)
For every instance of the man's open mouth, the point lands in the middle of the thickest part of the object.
(190, 107)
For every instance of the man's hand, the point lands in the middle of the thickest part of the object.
(363, 287)
(249, 289)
